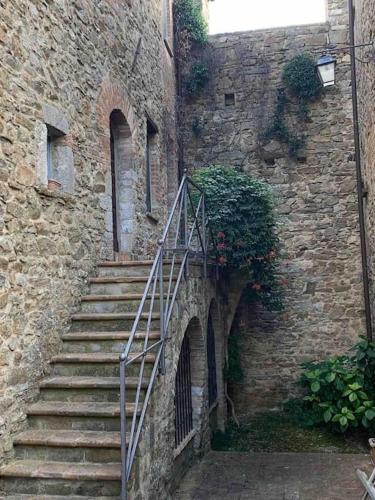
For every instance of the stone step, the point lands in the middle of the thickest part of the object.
(89, 383)
(103, 341)
(88, 389)
(140, 268)
(85, 416)
(66, 478)
(61, 408)
(68, 445)
(69, 439)
(120, 285)
(96, 357)
(53, 497)
(93, 364)
(105, 303)
(111, 321)
(126, 297)
(116, 335)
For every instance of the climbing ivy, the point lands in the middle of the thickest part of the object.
(301, 84)
(191, 31)
(301, 79)
(241, 214)
(189, 18)
(198, 78)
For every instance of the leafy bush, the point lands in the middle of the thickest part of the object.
(242, 219)
(341, 391)
(189, 18)
(301, 79)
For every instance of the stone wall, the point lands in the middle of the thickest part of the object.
(364, 33)
(162, 465)
(316, 199)
(65, 66)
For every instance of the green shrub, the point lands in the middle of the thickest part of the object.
(243, 223)
(340, 390)
(189, 18)
(301, 79)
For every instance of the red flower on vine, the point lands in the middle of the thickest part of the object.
(256, 286)
(221, 235)
(220, 246)
(282, 282)
(222, 260)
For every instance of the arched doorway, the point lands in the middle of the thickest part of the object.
(211, 361)
(122, 183)
(190, 385)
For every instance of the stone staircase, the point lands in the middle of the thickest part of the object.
(71, 448)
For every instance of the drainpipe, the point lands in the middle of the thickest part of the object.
(360, 193)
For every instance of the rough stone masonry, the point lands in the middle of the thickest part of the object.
(316, 199)
(65, 66)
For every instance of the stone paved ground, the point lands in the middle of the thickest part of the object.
(271, 476)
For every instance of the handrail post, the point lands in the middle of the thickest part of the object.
(162, 312)
(124, 457)
(204, 238)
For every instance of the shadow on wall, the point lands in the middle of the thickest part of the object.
(258, 376)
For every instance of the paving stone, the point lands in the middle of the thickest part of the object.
(274, 476)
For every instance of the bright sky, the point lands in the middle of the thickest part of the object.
(243, 15)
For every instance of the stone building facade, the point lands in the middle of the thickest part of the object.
(65, 68)
(316, 199)
(88, 173)
(364, 15)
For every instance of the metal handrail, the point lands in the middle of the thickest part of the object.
(184, 235)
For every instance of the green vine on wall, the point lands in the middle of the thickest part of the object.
(191, 32)
(301, 87)
(197, 79)
(189, 19)
(243, 223)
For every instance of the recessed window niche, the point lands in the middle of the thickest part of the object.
(55, 165)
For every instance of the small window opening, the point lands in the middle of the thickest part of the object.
(150, 161)
(230, 100)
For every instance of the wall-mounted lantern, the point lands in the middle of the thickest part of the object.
(326, 69)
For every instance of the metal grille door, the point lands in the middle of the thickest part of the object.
(183, 400)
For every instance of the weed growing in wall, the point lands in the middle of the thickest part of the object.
(243, 224)
(301, 84)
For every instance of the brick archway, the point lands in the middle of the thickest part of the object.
(113, 98)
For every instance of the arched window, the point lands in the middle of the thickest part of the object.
(211, 362)
(183, 400)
